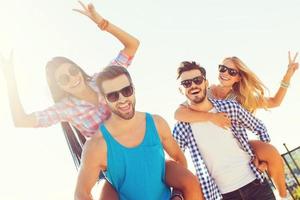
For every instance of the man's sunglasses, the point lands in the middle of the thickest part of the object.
(114, 96)
(64, 79)
(188, 82)
(231, 72)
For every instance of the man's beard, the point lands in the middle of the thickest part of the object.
(198, 99)
(126, 116)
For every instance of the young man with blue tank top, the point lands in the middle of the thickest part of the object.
(129, 146)
(223, 158)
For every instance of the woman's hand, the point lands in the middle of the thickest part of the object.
(221, 120)
(260, 165)
(7, 65)
(292, 67)
(89, 11)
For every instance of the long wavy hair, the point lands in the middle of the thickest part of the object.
(51, 67)
(250, 90)
(74, 138)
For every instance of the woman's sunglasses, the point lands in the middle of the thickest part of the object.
(188, 82)
(64, 79)
(114, 96)
(231, 72)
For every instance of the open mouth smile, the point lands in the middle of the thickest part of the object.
(194, 91)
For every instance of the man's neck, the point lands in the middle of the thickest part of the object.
(204, 106)
(120, 122)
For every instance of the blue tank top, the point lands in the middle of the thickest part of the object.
(137, 172)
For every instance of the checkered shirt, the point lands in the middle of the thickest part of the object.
(85, 116)
(240, 121)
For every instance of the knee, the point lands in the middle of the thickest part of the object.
(266, 152)
(190, 182)
(273, 157)
(179, 177)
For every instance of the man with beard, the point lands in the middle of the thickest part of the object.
(129, 146)
(223, 158)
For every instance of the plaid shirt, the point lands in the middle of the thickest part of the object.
(240, 121)
(85, 116)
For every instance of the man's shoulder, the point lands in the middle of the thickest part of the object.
(157, 119)
(160, 123)
(181, 127)
(225, 103)
(96, 143)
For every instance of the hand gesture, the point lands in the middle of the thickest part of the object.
(260, 165)
(89, 11)
(221, 120)
(293, 65)
(7, 65)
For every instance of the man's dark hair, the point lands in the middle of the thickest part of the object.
(111, 72)
(187, 66)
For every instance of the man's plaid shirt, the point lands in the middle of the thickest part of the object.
(240, 121)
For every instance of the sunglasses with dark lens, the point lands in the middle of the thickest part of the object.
(231, 72)
(114, 96)
(64, 79)
(188, 82)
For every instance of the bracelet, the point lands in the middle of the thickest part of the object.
(103, 24)
(284, 84)
(177, 195)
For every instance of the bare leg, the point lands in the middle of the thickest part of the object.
(108, 192)
(176, 176)
(269, 154)
(182, 179)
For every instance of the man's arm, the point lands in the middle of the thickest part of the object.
(93, 161)
(253, 124)
(168, 142)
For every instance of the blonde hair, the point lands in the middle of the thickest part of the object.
(249, 90)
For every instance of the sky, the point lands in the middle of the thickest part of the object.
(36, 163)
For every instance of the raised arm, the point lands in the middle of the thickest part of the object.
(168, 142)
(93, 157)
(279, 96)
(20, 118)
(185, 114)
(130, 43)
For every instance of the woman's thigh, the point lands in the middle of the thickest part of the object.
(180, 177)
(108, 192)
(264, 151)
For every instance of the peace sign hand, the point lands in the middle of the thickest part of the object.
(89, 11)
(293, 65)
